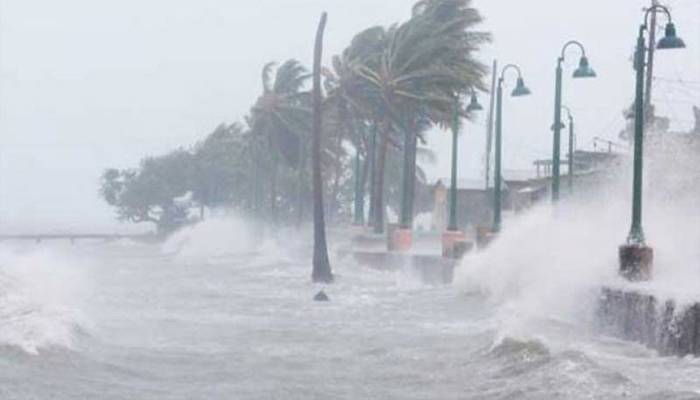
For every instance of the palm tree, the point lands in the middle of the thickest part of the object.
(280, 117)
(348, 103)
(425, 64)
(321, 265)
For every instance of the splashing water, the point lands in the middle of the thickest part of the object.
(220, 311)
(552, 262)
(41, 294)
(215, 237)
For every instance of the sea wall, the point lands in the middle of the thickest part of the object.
(659, 324)
(431, 269)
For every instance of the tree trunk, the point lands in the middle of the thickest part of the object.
(256, 186)
(300, 183)
(408, 186)
(321, 265)
(358, 211)
(334, 203)
(372, 167)
(363, 185)
(358, 195)
(273, 190)
(379, 181)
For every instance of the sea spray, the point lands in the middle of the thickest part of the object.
(218, 236)
(221, 237)
(540, 264)
(551, 263)
(42, 294)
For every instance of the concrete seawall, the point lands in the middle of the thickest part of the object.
(431, 269)
(659, 324)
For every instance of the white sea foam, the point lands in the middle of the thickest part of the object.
(215, 237)
(41, 294)
(543, 266)
(551, 263)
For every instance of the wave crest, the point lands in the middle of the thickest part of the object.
(40, 297)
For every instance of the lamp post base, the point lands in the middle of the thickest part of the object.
(399, 239)
(636, 262)
(357, 228)
(455, 244)
(484, 236)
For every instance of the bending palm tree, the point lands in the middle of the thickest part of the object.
(280, 118)
(425, 64)
(347, 100)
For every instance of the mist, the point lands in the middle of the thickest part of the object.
(200, 201)
(86, 86)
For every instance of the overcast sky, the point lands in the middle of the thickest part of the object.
(91, 84)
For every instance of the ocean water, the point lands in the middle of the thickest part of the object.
(217, 313)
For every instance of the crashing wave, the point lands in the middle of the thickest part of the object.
(39, 301)
(215, 237)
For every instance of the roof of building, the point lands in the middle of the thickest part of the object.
(465, 184)
(480, 184)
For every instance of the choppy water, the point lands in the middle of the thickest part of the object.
(208, 318)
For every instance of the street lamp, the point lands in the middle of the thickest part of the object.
(571, 149)
(636, 258)
(584, 70)
(473, 106)
(571, 146)
(520, 90)
(454, 241)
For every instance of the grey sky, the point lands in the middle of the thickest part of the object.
(87, 84)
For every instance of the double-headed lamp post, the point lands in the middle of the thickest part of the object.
(520, 90)
(473, 106)
(583, 71)
(636, 258)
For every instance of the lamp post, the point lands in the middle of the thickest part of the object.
(520, 90)
(583, 71)
(453, 235)
(571, 147)
(571, 150)
(636, 258)
(473, 106)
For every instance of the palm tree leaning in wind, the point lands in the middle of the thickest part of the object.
(281, 119)
(321, 265)
(348, 104)
(425, 65)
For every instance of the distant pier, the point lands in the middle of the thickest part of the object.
(73, 237)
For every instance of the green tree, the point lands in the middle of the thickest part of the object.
(151, 192)
(281, 118)
(219, 168)
(349, 108)
(426, 63)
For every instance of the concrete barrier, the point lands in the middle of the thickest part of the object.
(431, 269)
(641, 317)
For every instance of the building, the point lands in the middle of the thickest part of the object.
(522, 189)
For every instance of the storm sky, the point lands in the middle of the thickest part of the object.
(86, 85)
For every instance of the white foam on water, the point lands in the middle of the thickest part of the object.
(551, 263)
(542, 265)
(218, 236)
(42, 291)
(221, 238)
